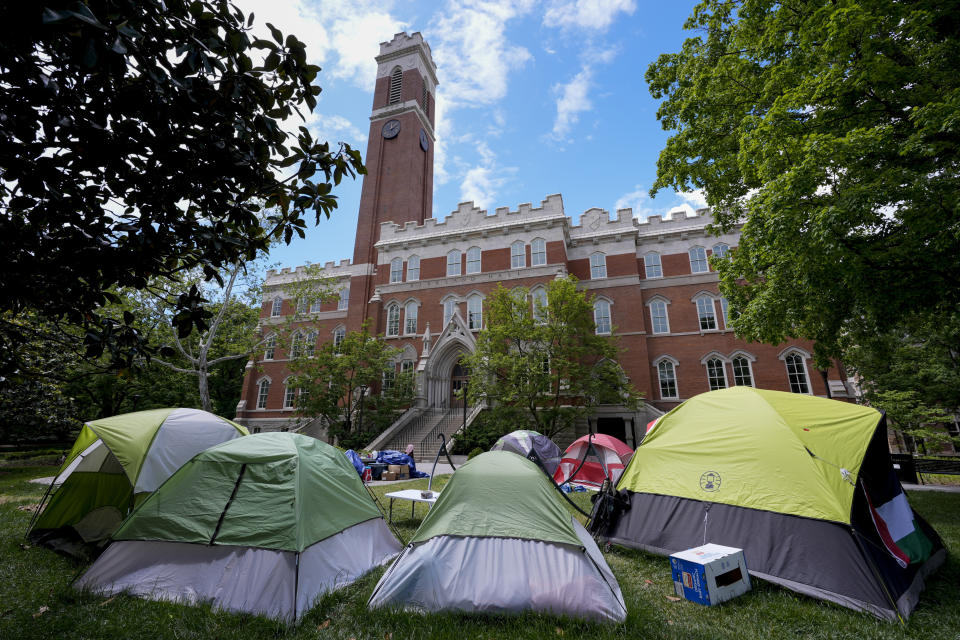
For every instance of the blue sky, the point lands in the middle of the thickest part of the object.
(535, 98)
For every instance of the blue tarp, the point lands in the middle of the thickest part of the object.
(389, 456)
(355, 460)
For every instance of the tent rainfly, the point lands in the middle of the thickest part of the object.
(116, 461)
(582, 466)
(804, 485)
(498, 540)
(263, 524)
(531, 443)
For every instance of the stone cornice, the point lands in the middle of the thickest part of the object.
(673, 281)
(545, 271)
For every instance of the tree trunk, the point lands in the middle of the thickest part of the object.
(203, 379)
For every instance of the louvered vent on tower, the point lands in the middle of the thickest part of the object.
(396, 82)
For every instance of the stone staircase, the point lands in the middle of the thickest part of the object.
(423, 432)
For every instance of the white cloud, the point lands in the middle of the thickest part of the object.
(638, 200)
(696, 198)
(597, 15)
(572, 101)
(481, 182)
(334, 128)
(681, 210)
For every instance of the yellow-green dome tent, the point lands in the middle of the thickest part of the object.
(804, 485)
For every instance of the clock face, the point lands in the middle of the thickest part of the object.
(424, 140)
(391, 129)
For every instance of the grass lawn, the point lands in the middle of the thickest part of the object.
(36, 600)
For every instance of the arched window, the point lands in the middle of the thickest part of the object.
(410, 318)
(338, 335)
(263, 393)
(598, 265)
(344, 301)
(742, 372)
(289, 396)
(453, 263)
(716, 375)
(698, 260)
(721, 249)
(310, 343)
(389, 378)
(413, 268)
(667, 374)
(302, 305)
(659, 321)
(270, 347)
(651, 262)
(276, 308)
(396, 270)
(538, 252)
(474, 311)
(706, 313)
(601, 316)
(473, 260)
(396, 85)
(797, 373)
(724, 307)
(393, 320)
(296, 345)
(539, 298)
(518, 255)
(449, 308)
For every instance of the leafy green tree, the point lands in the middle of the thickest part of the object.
(830, 129)
(140, 138)
(544, 365)
(351, 386)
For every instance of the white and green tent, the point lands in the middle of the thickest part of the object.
(499, 540)
(115, 462)
(263, 524)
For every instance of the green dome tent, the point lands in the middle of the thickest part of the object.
(498, 540)
(804, 485)
(116, 461)
(263, 524)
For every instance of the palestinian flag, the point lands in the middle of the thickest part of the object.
(897, 525)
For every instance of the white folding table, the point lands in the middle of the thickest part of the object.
(413, 495)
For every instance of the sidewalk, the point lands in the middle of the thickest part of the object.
(947, 488)
(443, 468)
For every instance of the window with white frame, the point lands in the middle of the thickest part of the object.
(742, 372)
(389, 378)
(393, 320)
(724, 306)
(716, 375)
(797, 373)
(310, 343)
(698, 260)
(598, 266)
(659, 321)
(721, 249)
(651, 263)
(453, 263)
(338, 336)
(296, 345)
(396, 270)
(518, 255)
(413, 268)
(270, 347)
(473, 260)
(302, 305)
(474, 311)
(449, 308)
(344, 301)
(263, 393)
(539, 299)
(538, 252)
(289, 396)
(667, 374)
(706, 313)
(276, 308)
(315, 306)
(406, 365)
(601, 316)
(410, 318)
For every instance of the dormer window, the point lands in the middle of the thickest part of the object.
(396, 85)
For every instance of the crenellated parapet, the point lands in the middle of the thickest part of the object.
(469, 221)
(343, 270)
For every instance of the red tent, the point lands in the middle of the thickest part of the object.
(614, 454)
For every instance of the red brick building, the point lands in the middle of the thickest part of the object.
(422, 281)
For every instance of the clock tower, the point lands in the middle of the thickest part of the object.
(398, 186)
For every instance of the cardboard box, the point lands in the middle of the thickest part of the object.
(710, 574)
(402, 470)
(388, 475)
